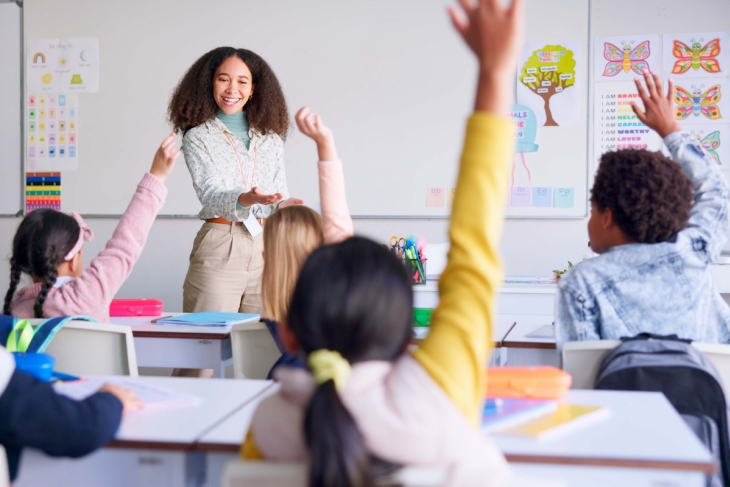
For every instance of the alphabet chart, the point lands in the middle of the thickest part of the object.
(52, 132)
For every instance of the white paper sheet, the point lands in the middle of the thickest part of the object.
(154, 398)
(697, 55)
(622, 58)
(62, 65)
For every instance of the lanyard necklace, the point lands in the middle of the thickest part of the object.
(240, 165)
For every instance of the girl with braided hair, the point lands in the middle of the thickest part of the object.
(48, 246)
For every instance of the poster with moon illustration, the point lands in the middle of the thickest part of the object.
(62, 65)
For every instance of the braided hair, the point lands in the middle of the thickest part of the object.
(41, 243)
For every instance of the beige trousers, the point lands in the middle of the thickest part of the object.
(224, 275)
(225, 270)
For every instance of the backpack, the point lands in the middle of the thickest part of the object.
(19, 335)
(687, 378)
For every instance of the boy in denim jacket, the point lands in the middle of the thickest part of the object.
(658, 225)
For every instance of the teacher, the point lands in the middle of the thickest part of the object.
(230, 108)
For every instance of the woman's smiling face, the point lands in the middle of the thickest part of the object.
(232, 85)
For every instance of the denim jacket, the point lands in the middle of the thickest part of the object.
(663, 288)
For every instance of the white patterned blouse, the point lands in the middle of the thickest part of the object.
(218, 178)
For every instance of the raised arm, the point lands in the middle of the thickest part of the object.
(709, 216)
(337, 223)
(457, 348)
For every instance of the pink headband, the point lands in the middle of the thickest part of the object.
(85, 235)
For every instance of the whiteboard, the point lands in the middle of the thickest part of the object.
(10, 118)
(390, 77)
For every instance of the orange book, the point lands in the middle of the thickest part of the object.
(541, 382)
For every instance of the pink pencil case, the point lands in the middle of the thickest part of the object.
(136, 307)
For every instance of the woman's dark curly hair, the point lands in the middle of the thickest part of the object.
(649, 195)
(192, 102)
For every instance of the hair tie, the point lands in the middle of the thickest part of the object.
(329, 365)
(85, 235)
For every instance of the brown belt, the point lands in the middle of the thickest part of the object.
(223, 221)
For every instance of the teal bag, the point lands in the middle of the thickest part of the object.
(18, 335)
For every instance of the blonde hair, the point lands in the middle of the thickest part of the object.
(290, 235)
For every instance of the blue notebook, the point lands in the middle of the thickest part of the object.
(504, 413)
(209, 319)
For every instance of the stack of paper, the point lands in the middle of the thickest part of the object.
(209, 319)
(154, 397)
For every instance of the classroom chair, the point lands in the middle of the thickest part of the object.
(239, 473)
(85, 348)
(254, 351)
(4, 474)
(582, 359)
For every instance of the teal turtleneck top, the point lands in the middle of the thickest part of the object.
(237, 123)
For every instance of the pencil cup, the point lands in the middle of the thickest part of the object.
(416, 269)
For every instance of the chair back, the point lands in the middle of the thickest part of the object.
(581, 360)
(86, 348)
(254, 350)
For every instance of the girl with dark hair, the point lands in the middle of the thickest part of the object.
(365, 401)
(48, 246)
(232, 112)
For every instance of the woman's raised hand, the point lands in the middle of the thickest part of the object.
(311, 125)
(164, 160)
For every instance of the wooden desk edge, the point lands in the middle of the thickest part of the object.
(516, 344)
(705, 467)
(193, 336)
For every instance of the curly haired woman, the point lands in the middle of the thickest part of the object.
(231, 110)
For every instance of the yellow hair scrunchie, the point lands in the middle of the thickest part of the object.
(329, 365)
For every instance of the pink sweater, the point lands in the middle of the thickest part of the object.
(336, 220)
(91, 293)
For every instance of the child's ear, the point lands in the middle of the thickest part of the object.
(75, 264)
(288, 340)
(607, 218)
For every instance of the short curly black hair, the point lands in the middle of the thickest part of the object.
(648, 193)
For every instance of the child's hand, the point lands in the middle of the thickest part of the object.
(130, 401)
(164, 159)
(492, 32)
(311, 125)
(658, 113)
(290, 202)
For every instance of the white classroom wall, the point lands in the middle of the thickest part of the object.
(533, 247)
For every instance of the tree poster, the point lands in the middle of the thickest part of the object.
(548, 82)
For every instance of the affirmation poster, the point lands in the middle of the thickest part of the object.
(623, 58)
(698, 55)
(548, 83)
(62, 65)
(52, 132)
(701, 100)
(616, 126)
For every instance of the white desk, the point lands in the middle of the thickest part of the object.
(643, 442)
(520, 349)
(180, 346)
(152, 449)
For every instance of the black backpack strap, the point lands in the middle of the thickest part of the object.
(653, 336)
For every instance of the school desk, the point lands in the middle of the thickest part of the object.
(520, 349)
(152, 449)
(180, 346)
(644, 441)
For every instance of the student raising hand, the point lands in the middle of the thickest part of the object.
(658, 113)
(164, 160)
(311, 125)
(494, 34)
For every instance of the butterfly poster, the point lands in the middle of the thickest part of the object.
(622, 58)
(701, 100)
(715, 140)
(699, 55)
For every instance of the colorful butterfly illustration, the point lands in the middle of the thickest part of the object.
(696, 56)
(697, 102)
(626, 58)
(710, 144)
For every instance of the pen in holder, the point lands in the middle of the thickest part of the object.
(416, 267)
